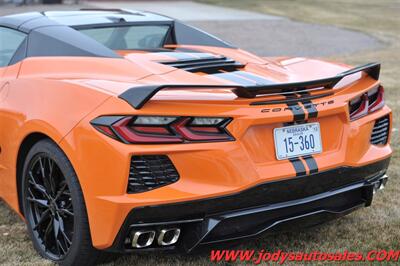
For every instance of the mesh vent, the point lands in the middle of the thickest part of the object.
(380, 132)
(209, 65)
(148, 172)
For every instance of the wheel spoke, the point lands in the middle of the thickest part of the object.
(51, 166)
(50, 177)
(44, 178)
(67, 193)
(62, 231)
(43, 218)
(61, 222)
(30, 193)
(61, 190)
(56, 231)
(42, 168)
(56, 227)
(48, 231)
(40, 202)
(61, 248)
(37, 186)
(65, 211)
(66, 238)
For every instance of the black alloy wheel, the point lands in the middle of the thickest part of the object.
(55, 209)
(50, 206)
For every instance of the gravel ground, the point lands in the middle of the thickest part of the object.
(290, 38)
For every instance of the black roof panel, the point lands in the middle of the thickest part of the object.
(14, 21)
(37, 23)
(80, 18)
(52, 41)
(30, 21)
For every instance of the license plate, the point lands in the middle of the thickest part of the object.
(297, 140)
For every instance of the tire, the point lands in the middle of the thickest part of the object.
(54, 209)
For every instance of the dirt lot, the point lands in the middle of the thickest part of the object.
(371, 228)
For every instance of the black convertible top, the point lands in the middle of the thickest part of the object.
(27, 22)
(55, 33)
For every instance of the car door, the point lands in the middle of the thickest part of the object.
(12, 51)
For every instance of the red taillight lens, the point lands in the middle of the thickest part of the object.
(200, 133)
(163, 129)
(367, 103)
(128, 132)
(376, 100)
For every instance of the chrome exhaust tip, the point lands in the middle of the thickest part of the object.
(168, 237)
(380, 184)
(376, 187)
(383, 182)
(142, 239)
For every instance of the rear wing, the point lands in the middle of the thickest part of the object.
(137, 97)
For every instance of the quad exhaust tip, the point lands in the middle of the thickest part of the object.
(383, 182)
(142, 239)
(145, 238)
(380, 184)
(168, 236)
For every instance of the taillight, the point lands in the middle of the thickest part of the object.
(163, 129)
(368, 102)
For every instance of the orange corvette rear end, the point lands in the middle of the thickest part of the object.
(125, 131)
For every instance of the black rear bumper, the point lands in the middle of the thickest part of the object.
(288, 204)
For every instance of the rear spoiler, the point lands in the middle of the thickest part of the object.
(137, 97)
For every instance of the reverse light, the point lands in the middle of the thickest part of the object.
(153, 120)
(368, 102)
(163, 129)
(198, 121)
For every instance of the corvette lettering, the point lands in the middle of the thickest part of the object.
(297, 107)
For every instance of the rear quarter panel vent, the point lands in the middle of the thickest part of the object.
(148, 172)
(380, 132)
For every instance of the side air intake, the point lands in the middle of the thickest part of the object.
(380, 132)
(149, 172)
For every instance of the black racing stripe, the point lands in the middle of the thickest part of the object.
(179, 56)
(298, 112)
(234, 78)
(309, 106)
(187, 50)
(298, 116)
(254, 77)
(311, 164)
(298, 166)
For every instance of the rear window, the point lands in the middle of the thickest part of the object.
(10, 40)
(130, 37)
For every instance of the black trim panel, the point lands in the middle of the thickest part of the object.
(277, 217)
(268, 206)
(266, 193)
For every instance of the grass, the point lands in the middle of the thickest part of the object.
(367, 229)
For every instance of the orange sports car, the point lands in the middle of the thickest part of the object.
(124, 131)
